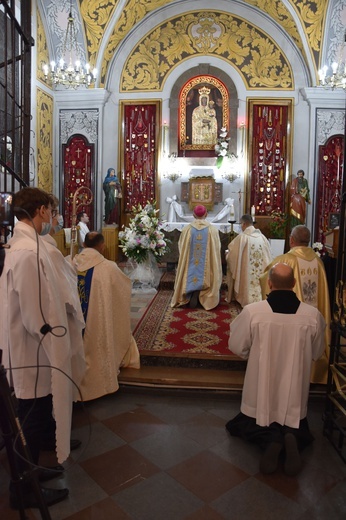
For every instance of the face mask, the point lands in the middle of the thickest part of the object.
(60, 224)
(46, 227)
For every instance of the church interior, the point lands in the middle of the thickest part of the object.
(186, 105)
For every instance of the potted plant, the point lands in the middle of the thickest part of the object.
(277, 230)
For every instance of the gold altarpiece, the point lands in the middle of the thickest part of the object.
(202, 191)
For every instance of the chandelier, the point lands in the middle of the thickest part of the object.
(338, 77)
(65, 72)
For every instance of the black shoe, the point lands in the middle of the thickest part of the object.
(49, 473)
(50, 496)
(293, 462)
(270, 458)
(194, 300)
(50, 445)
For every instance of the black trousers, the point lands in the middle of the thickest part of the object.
(246, 428)
(35, 416)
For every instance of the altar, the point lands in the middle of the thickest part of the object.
(173, 230)
(223, 227)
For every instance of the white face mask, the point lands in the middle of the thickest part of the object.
(60, 224)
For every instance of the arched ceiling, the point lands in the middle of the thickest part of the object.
(106, 24)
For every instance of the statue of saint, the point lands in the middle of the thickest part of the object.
(300, 196)
(112, 189)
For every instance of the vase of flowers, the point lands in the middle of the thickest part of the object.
(143, 242)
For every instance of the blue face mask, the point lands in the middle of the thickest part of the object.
(46, 227)
(60, 224)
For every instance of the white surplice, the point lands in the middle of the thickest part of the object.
(31, 293)
(280, 354)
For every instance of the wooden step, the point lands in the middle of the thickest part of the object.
(178, 377)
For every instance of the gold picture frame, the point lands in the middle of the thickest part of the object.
(202, 191)
(189, 99)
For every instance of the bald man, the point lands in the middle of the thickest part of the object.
(311, 287)
(280, 337)
(199, 271)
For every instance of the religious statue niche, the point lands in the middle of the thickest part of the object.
(329, 185)
(202, 191)
(78, 160)
(139, 160)
(269, 125)
(203, 111)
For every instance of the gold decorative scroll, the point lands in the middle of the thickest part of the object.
(44, 132)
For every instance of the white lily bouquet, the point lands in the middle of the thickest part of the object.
(144, 235)
(222, 147)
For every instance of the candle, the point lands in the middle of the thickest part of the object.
(141, 184)
(253, 211)
(232, 211)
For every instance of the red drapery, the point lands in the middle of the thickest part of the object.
(330, 172)
(139, 155)
(268, 158)
(78, 158)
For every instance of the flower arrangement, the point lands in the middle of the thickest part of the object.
(221, 147)
(318, 248)
(144, 235)
(278, 224)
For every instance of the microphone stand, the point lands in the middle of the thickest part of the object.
(12, 430)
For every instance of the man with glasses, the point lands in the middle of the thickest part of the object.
(34, 336)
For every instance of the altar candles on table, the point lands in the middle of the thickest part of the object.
(253, 211)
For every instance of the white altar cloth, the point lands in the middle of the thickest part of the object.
(224, 228)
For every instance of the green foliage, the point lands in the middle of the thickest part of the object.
(278, 224)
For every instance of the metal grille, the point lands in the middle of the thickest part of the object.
(15, 79)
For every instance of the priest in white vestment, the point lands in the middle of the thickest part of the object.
(82, 227)
(199, 272)
(248, 255)
(311, 288)
(280, 337)
(105, 295)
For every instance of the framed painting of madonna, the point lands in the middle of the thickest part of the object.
(203, 111)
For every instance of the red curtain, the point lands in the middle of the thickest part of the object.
(330, 172)
(78, 160)
(139, 155)
(268, 159)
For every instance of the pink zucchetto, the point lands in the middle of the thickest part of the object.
(199, 211)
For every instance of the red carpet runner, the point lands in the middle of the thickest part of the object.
(184, 332)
